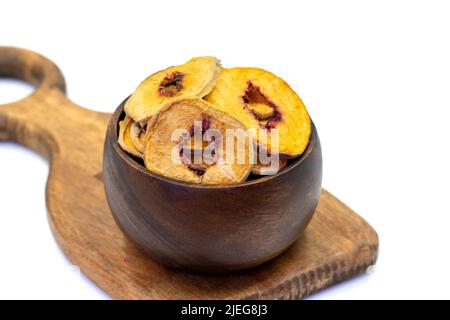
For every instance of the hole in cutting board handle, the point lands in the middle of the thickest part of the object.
(12, 90)
(30, 67)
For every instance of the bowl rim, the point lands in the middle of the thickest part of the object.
(113, 129)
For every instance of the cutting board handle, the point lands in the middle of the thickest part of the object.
(31, 67)
(45, 121)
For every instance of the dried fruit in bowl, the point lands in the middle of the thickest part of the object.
(196, 78)
(137, 135)
(127, 131)
(264, 102)
(270, 168)
(220, 161)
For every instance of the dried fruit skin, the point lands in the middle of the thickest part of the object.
(182, 114)
(248, 94)
(125, 137)
(196, 78)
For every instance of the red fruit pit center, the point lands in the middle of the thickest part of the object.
(171, 84)
(254, 95)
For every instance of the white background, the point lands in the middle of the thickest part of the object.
(375, 76)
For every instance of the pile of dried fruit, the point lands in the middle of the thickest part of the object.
(200, 99)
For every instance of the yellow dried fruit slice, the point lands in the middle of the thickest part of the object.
(263, 101)
(262, 111)
(168, 141)
(125, 137)
(137, 135)
(196, 78)
(267, 169)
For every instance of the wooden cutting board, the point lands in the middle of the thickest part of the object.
(337, 244)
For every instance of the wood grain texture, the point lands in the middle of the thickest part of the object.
(337, 244)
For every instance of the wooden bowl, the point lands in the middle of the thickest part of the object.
(210, 228)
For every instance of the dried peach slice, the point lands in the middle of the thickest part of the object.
(196, 78)
(266, 169)
(137, 135)
(125, 137)
(168, 142)
(263, 101)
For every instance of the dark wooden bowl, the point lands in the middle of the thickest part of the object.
(210, 228)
